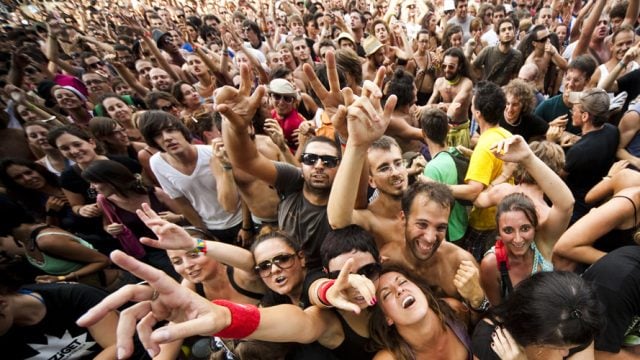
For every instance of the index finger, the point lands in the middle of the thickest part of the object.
(332, 72)
(245, 80)
(315, 83)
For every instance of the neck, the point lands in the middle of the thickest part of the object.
(455, 81)
(205, 79)
(434, 148)
(484, 126)
(97, 157)
(22, 232)
(589, 127)
(424, 335)
(53, 154)
(504, 46)
(188, 156)
(318, 197)
(389, 204)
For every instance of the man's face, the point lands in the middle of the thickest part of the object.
(497, 17)
(578, 115)
(96, 84)
(425, 227)
(165, 16)
(387, 172)
(156, 23)
(544, 17)
(283, 104)
(323, 52)
(275, 60)
(574, 80)
(171, 141)
(356, 21)
(506, 33)
(297, 29)
(312, 29)
(160, 80)
(93, 63)
(301, 50)
(319, 175)
(378, 57)
(450, 67)
(615, 23)
(143, 68)
(347, 44)
(125, 57)
(602, 29)
(461, 10)
(622, 43)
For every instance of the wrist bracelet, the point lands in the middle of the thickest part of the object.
(62, 278)
(621, 63)
(484, 305)
(201, 246)
(245, 319)
(322, 292)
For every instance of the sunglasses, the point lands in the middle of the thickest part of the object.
(168, 108)
(327, 160)
(285, 98)
(283, 261)
(370, 271)
(544, 39)
(95, 65)
(93, 82)
(411, 6)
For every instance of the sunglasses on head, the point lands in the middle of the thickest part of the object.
(370, 271)
(327, 160)
(285, 98)
(544, 39)
(283, 261)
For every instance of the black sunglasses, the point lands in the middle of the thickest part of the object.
(327, 160)
(370, 271)
(285, 98)
(168, 108)
(544, 39)
(283, 261)
(95, 65)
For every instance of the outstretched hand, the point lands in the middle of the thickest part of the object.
(513, 149)
(239, 105)
(338, 295)
(170, 236)
(163, 299)
(366, 120)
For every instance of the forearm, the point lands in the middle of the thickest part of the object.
(130, 79)
(86, 270)
(241, 150)
(613, 75)
(550, 183)
(162, 61)
(190, 213)
(227, 190)
(466, 191)
(344, 191)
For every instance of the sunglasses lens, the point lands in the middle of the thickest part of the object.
(371, 271)
(283, 261)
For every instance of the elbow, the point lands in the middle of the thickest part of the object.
(338, 222)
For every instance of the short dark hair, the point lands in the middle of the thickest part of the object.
(325, 140)
(618, 10)
(153, 96)
(74, 130)
(585, 63)
(401, 85)
(346, 240)
(435, 125)
(280, 72)
(551, 308)
(385, 142)
(490, 101)
(153, 122)
(435, 191)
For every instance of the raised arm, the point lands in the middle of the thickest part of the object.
(576, 244)
(222, 171)
(515, 149)
(238, 107)
(365, 123)
(587, 30)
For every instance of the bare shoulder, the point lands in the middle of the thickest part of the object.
(384, 355)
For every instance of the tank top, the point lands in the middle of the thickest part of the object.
(133, 222)
(234, 285)
(604, 72)
(539, 262)
(353, 346)
(51, 264)
(634, 145)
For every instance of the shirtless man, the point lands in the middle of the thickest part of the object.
(302, 53)
(452, 94)
(374, 50)
(404, 123)
(543, 55)
(424, 214)
(426, 73)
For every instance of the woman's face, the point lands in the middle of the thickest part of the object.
(433, 24)
(516, 232)
(26, 114)
(194, 266)
(76, 149)
(381, 33)
(275, 251)
(117, 110)
(456, 40)
(561, 31)
(191, 97)
(402, 302)
(37, 136)
(67, 99)
(118, 137)
(105, 189)
(193, 33)
(123, 89)
(26, 177)
(362, 260)
(286, 55)
(513, 108)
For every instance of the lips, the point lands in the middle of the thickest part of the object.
(280, 280)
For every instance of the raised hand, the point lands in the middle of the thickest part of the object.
(239, 105)
(347, 283)
(170, 236)
(467, 282)
(274, 130)
(163, 299)
(331, 99)
(505, 346)
(366, 120)
(513, 149)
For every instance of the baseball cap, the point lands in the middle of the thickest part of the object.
(282, 87)
(594, 101)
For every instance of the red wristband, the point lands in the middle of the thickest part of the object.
(322, 292)
(244, 320)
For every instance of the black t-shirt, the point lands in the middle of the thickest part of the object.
(587, 162)
(616, 279)
(57, 336)
(306, 222)
(630, 83)
(530, 126)
(71, 179)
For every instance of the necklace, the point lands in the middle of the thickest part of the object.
(454, 82)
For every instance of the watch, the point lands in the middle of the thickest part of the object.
(484, 306)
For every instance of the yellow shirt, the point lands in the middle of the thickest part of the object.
(484, 167)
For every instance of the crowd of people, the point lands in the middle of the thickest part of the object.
(320, 179)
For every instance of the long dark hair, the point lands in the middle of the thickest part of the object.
(387, 337)
(117, 175)
(27, 197)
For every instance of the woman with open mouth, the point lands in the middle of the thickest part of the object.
(410, 323)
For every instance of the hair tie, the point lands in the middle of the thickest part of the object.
(139, 182)
(576, 314)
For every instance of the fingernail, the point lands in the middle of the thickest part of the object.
(160, 335)
(374, 301)
(121, 353)
(151, 352)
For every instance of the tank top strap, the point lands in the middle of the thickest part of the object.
(635, 211)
